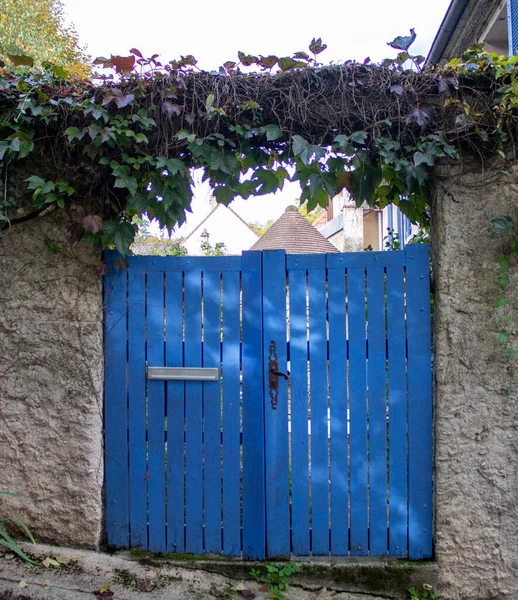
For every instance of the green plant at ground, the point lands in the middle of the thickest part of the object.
(425, 593)
(505, 226)
(276, 577)
(7, 541)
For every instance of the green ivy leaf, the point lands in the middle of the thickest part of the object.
(210, 101)
(426, 159)
(120, 233)
(35, 182)
(223, 194)
(172, 165)
(359, 137)
(504, 225)
(273, 132)
(128, 182)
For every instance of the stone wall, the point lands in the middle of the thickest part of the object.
(476, 407)
(51, 385)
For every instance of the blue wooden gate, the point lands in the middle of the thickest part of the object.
(335, 459)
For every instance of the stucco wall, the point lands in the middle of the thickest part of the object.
(51, 385)
(476, 411)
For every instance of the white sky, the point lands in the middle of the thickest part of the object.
(214, 30)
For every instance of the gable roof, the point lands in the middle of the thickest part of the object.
(210, 215)
(295, 235)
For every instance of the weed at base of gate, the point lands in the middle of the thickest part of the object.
(7, 541)
(276, 578)
(426, 593)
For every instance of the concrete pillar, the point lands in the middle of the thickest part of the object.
(51, 385)
(476, 408)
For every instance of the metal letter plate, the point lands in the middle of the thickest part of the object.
(183, 373)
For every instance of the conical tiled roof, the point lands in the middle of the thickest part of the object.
(295, 235)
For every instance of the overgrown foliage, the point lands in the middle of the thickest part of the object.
(108, 150)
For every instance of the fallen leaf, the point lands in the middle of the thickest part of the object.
(63, 560)
(22, 584)
(264, 588)
(247, 594)
(215, 592)
(240, 586)
(146, 587)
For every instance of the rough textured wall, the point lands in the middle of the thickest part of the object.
(476, 409)
(51, 385)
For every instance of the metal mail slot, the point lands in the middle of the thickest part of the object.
(183, 373)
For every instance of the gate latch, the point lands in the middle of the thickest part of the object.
(274, 374)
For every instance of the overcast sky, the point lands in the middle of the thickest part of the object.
(213, 31)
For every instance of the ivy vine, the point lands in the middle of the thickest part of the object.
(124, 144)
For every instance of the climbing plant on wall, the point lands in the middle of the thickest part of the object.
(124, 143)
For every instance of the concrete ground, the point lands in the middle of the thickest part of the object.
(85, 575)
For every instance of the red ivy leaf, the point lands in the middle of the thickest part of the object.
(121, 64)
(75, 234)
(247, 59)
(93, 222)
(136, 52)
(267, 62)
(317, 46)
(171, 109)
(419, 114)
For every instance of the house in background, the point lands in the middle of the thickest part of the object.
(493, 23)
(293, 233)
(353, 229)
(221, 226)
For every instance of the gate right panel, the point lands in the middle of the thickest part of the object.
(358, 406)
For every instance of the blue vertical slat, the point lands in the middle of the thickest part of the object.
(377, 400)
(318, 395)
(276, 420)
(512, 29)
(212, 413)
(254, 524)
(156, 413)
(299, 413)
(116, 409)
(358, 411)
(137, 408)
(419, 403)
(175, 416)
(231, 415)
(398, 511)
(338, 412)
(193, 416)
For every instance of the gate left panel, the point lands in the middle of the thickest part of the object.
(175, 479)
